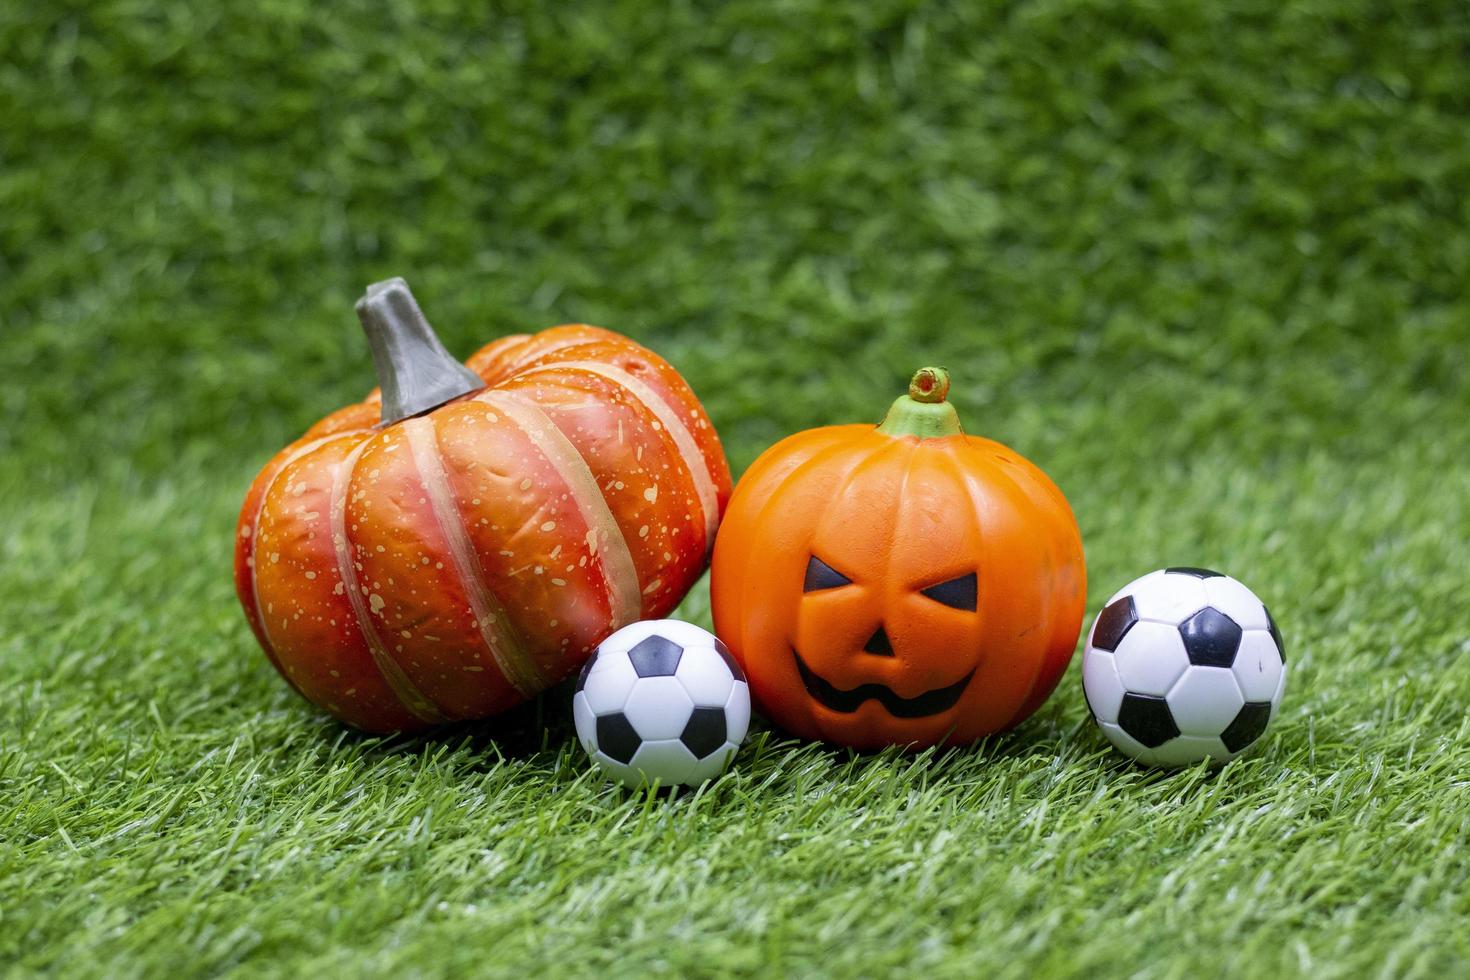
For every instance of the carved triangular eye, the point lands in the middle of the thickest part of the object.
(957, 593)
(820, 575)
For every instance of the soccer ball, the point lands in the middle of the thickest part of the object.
(1182, 665)
(661, 701)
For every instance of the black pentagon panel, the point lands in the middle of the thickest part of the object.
(879, 644)
(705, 732)
(656, 656)
(820, 575)
(1196, 572)
(1210, 638)
(1247, 726)
(586, 669)
(1113, 623)
(1088, 701)
(729, 659)
(957, 593)
(1275, 634)
(616, 737)
(1147, 719)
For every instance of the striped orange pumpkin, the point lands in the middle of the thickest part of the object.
(451, 564)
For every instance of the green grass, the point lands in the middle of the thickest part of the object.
(1207, 266)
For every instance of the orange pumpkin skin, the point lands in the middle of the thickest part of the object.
(896, 515)
(451, 565)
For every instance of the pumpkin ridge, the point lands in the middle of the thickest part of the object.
(490, 617)
(666, 415)
(963, 475)
(732, 551)
(576, 335)
(776, 495)
(487, 361)
(266, 643)
(872, 456)
(1039, 488)
(544, 356)
(876, 454)
(612, 553)
(397, 680)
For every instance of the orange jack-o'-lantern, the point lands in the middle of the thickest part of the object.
(900, 584)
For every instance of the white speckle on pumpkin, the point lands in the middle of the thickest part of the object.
(592, 541)
(310, 576)
(549, 526)
(558, 581)
(376, 602)
(651, 494)
(643, 531)
(275, 557)
(526, 483)
(653, 586)
(245, 531)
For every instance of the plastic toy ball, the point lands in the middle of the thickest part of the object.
(661, 702)
(1183, 665)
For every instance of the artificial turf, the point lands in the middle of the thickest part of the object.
(1206, 264)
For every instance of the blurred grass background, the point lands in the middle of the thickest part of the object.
(1206, 264)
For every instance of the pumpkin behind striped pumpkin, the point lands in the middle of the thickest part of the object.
(455, 563)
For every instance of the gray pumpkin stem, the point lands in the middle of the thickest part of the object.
(414, 370)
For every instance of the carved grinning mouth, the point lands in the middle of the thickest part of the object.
(918, 706)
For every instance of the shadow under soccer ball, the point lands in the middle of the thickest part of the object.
(1183, 665)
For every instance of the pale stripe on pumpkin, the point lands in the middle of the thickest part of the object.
(612, 552)
(516, 666)
(668, 417)
(413, 699)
